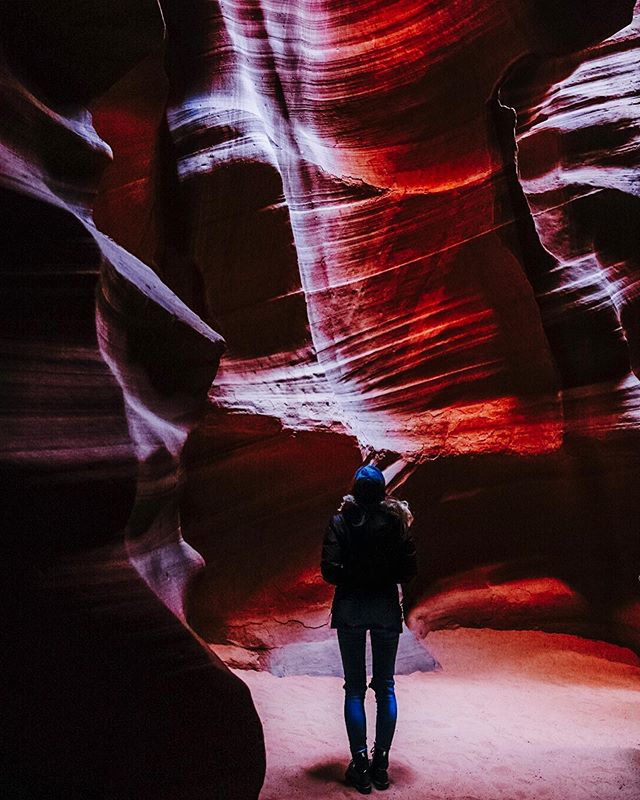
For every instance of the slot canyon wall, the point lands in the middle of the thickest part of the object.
(245, 247)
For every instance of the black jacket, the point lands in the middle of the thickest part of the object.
(366, 555)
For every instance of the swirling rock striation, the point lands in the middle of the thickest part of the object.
(368, 243)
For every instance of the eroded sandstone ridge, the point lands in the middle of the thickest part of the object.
(107, 692)
(414, 224)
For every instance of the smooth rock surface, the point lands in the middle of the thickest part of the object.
(106, 692)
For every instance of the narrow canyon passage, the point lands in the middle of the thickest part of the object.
(511, 714)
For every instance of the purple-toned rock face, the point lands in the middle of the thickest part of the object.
(107, 692)
(246, 246)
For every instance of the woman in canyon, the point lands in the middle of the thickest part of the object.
(367, 551)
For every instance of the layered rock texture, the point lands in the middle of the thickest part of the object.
(247, 246)
(107, 692)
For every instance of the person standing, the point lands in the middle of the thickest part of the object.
(366, 552)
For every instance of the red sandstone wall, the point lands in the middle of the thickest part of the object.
(415, 228)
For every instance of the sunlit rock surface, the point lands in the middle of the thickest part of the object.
(344, 188)
(415, 227)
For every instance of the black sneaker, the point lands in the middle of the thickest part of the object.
(378, 768)
(357, 773)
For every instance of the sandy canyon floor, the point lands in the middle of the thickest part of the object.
(510, 716)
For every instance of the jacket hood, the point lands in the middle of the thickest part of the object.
(400, 508)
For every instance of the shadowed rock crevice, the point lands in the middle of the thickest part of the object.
(105, 690)
(577, 312)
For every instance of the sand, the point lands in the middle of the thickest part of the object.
(515, 715)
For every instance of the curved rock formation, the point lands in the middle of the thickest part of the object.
(349, 198)
(109, 693)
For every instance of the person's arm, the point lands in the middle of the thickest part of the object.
(407, 564)
(408, 570)
(331, 564)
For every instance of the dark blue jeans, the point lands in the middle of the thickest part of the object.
(384, 646)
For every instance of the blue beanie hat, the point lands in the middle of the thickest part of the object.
(369, 485)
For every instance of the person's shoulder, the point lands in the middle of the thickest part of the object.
(399, 509)
(348, 502)
(349, 511)
(340, 516)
